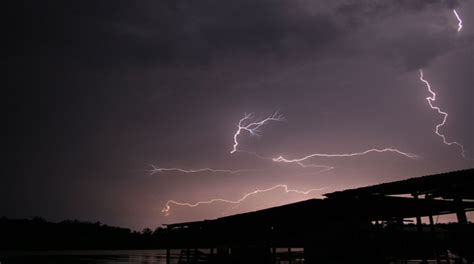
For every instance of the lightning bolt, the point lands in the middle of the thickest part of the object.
(430, 100)
(255, 154)
(166, 209)
(162, 170)
(252, 127)
(320, 155)
(324, 167)
(301, 164)
(459, 20)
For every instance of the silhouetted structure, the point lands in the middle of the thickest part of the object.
(364, 225)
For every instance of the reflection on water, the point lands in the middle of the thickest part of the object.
(84, 256)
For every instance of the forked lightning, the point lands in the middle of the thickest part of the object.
(431, 99)
(252, 127)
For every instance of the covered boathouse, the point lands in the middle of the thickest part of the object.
(375, 224)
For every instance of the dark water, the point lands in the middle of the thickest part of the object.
(84, 256)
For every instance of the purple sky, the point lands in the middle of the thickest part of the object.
(98, 90)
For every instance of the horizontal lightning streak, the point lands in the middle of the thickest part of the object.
(301, 164)
(430, 100)
(324, 167)
(300, 160)
(161, 170)
(167, 208)
(252, 127)
(255, 154)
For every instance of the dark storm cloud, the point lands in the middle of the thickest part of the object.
(93, 32)
(369, 9)
(99, 32)
(410, 34)
(154, 32)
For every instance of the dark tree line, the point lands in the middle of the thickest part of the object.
(36, 233)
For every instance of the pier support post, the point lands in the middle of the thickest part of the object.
(418, 218)
(460, 212)
(290, 260)
(273, 251)
(433, 237)
(168, 256)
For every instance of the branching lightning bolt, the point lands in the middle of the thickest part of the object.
(324, 155)
(167, 207)
(252, 127)
(430, 100)
(459, 20)
(155, 169)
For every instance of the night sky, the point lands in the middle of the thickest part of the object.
(97, 91)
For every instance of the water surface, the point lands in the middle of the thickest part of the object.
(84, 256)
